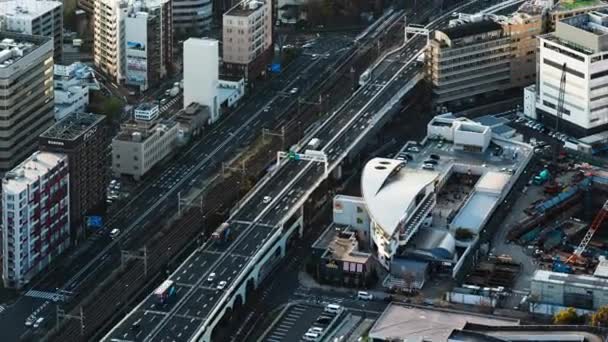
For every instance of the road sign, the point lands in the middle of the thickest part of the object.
(94, 222)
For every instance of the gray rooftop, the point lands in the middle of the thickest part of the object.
(72, 126)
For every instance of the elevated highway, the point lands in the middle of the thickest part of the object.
(260, 229)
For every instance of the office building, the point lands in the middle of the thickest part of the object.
(201, 74)
(139, 146)
(247, 39)
(569, 8)
(149, 43)
(35, 17)
(579, 43)
(84, 139)
(88, 6)
(192, 17)
(482, 56)
(35, 216)
(109, 34)
(26, 107)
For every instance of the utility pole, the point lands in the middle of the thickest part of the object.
(80, 317)
(139, 255)
(267, 132)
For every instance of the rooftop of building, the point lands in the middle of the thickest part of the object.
(535, 7)
(36, 165)
(389, 189)
(192, 110)
(15, 46)
(389, 186)
(73, 126)
(487, 333)
(595, 22)
(472, 29)
(27, 9)
(340, 243)
(415, 323)
(573, 280)
(245, 8)
(136, 131)
(570, 5)
(146, 106)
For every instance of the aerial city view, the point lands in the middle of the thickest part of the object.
(304, 170)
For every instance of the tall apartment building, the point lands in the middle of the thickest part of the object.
(86, 5)
(84, 139)
(247, 39)
(35, 216)
(149, 43)
(192, 17)
(201, 76)
(108, 47)
(140, 145)
(581, 43)
(26, 104)
(35, 17)
(482, 57)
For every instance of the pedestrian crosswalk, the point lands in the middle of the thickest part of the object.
(44, 295)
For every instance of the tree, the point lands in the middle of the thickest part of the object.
(566, 316)
(112, 107)
(600, 317)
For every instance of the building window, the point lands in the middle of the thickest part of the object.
(359, 220)
(359, 209)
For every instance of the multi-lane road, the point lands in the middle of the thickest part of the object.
(258, 220)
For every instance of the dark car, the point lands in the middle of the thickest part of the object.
(434, 157)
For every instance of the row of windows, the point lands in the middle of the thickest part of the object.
(568, 69)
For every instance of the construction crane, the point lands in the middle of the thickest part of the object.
(595, 225)
(559, 110)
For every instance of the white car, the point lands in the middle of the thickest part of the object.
(293, 91)
(222, 285)
(267, 199)
(211, 277)
(362, 295)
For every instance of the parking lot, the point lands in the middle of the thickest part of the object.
(294, 323)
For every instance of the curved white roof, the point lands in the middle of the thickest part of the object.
(389, 188)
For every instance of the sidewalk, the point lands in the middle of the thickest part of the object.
(309, 282)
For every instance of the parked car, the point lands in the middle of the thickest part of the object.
(362, 295)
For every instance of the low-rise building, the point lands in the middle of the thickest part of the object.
(139, 146)
(71, 85)
(84, 139)
(554, 291)
(350, 211)
(35, 216)
(339, 260)
(146, 112)
(191, 121)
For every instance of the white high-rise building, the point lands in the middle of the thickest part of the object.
(35, 17)
(201, 74)
(109, 50)
(35, 216)
(581, 43)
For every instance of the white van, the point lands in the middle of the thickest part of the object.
(362, 295)
(114, 233)
(333, 308)
(309, 336)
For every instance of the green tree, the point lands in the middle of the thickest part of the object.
(566, 316)
(112, 107)
(600, 317)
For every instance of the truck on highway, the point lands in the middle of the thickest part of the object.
(222, 233)
(542, 177)
(313, 144)
(165, 291)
